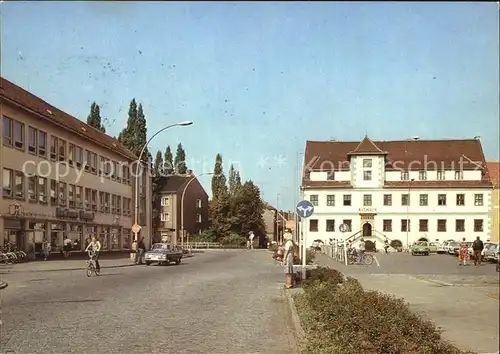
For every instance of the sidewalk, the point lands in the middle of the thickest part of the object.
(62, 265)
(468, 315)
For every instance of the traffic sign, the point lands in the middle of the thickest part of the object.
(136, 228)
(343, 228)
(305, 209)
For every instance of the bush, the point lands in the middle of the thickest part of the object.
(310, 256)
(339, 316)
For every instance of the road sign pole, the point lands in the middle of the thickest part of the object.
(304, 249)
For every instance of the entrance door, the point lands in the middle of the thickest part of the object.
(367, 229)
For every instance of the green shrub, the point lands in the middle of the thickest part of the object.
(339, 316)
(310, 256)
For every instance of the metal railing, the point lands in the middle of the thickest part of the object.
(335, 251)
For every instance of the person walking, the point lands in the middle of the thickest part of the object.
(288, 259)
(386, 246)
(250, 238)
(67, 245)
(46, 248)
(463, 253)
(477, 247)
(141, 247)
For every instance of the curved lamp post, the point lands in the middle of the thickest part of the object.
(138, 162)
(182, 203)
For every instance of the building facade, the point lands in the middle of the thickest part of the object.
(184, 208)
(494, 171)
(61, 177)
(402, 191)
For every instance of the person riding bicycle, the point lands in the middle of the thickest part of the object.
(94, 246)
(361, 252)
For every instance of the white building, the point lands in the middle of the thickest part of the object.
(402, 191)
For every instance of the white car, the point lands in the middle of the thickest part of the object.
(442, 248)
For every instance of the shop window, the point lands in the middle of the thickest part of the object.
(127, 238)
(19, 184)
(7, 183)
(115, 241)
(104, 238)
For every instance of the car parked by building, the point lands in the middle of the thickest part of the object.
(163, 254)
(420, 247)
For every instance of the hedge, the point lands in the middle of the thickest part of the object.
(339, 316)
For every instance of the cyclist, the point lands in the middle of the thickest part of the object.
(95, 246)
(361, 252)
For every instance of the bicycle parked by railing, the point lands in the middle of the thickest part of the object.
(353, 257)
(91, 265)
(9, 254)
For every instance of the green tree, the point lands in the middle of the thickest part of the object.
(134, 135)
(94, 117)
(220, 203)
(247, 210)
(158, 164)
(168, 161)
(219, 186)
(237, 180)
(142, 134)
(180, 160)
(231, 180)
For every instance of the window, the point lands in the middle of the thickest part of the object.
(118, 205)
(348, 223)
(71, 154)
(367, 163)
(42, 143)
(459, 175)
(442, 199)
(42, 190)
(367, 175)
(347, 200)
(53, 192)
(313, 225)
(53, 147)
(32, 140)
(7, 131)
(78, 156)
(460, 199)
(93, 199)
(441, 225)
(440, 175)
(198, 217)
(367, 200)
(19, 184)
(387, 199)
(405, 176)
(101, 201)
(387, 225)
(478, 200)
(330, 200)
(165, 201)
(113, 203)
(62, 193)
(86, 200)
(330, 225)
(460, 225)
(7, 182)
(424, 200)
(405, 225)
(71, 195)
(405, 199)
(422, 175)
(314, 199)
(478, 225)
(78, 196)
(18, 134)
(330, 176)
(423, 225)
(93, 162)
(198, 203)
(165, 217)
(62, 150)
(107, 206)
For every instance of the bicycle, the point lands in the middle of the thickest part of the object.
(353, 258)
(91, 266)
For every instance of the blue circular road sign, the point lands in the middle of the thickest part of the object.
(305, 209)
(343, 228)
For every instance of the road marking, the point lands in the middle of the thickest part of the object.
(376, 261)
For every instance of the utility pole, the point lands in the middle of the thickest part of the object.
(277, 220)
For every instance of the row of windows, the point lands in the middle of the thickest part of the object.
(165, 201)
(62, 151)
(46, 191)
(166, 217)
(405, 199)
(423, 225)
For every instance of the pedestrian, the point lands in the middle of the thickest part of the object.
(463, 253)
(46, 248)
(141, 247)
(288, 259)
(250, 238)
(477, 247)
(386, 246)
(248, 243)
(66, 246)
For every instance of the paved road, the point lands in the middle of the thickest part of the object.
(463, 301)
(217, 302)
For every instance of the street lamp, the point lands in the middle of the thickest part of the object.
(136, 227)
(277, 220)
(408, 212)
(182, 204)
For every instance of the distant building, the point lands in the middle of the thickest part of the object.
(494, 170)
(274, 230)
(402, 191)
(172, 207)
(61, 177)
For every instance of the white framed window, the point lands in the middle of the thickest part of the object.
(165, 201)
(165, 217)
(198, 203)
(198, 217)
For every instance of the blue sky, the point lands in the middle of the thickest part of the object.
(259, 79)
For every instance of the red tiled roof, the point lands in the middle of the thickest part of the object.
(326, 184)
(174, 183)
(16, 95)
(437, 184)
(494, 172)
(367, 147)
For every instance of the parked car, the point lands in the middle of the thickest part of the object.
(442, 248)
(453, 248)
(487, 245)
(433, 247)
(491, 253)
(420, 247)
(163, 254)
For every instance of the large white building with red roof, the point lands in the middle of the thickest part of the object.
(402, 191)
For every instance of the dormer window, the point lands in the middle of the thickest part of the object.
(330, 176)
(440, 175)
(367, 175)
(367, 163)
(422, 175)
(459, 175)
(405, 176)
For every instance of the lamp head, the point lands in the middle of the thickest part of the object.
(183, 124)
